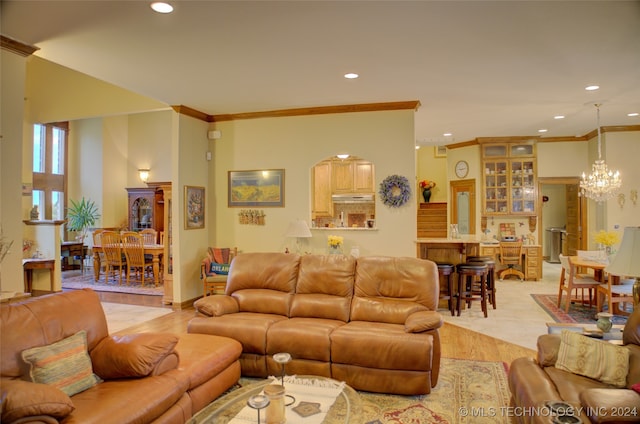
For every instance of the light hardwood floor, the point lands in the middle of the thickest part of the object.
(457, 342)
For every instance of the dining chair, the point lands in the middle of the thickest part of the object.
(133, 246)
(113, 254)
(570, 280)
(614, 293)
(511, 255)
(150, 236)
(97, 241)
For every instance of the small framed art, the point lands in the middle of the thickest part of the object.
(440, 151)
(193, 207)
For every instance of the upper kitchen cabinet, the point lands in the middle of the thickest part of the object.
(352, 176)
(321, 189)
(509, 179)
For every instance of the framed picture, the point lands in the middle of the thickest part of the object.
(193, 207)
(262, 188)
(440, 151)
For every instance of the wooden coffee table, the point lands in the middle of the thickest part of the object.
(612, 336)
(345, 409)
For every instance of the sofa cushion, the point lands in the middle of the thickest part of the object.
(133, 355)
(303, 338)
(64, 364)
(26, 399)
(593, 358)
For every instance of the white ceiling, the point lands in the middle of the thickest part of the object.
(478, 68)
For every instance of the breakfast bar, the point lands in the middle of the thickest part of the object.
(454, 251)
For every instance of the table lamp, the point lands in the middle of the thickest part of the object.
(298, 229)
(626, 262)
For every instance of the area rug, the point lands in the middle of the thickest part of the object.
(578, 313)
(87, 280)
(121, 316)
(467, 392)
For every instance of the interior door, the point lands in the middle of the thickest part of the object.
(463, 205)
(573, 236)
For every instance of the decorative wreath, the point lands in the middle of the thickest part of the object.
(395, 191)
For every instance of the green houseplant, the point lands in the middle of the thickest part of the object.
(81, 216)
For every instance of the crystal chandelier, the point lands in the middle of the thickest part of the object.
(602, 183)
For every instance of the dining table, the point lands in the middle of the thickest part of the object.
(155, 250)
(597, 266)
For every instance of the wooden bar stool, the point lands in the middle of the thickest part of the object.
(445, 271)
(491, 276)
(472, 285)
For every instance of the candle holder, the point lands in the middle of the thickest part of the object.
(284, 358)
(258, 402)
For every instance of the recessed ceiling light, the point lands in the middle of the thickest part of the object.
(342, 156)
(417, 147)
(161, 7)
(447, 134)
(633, 114)
(351, 75)
(543, 130)
(592, 87)
(558, 117)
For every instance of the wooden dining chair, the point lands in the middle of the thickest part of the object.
(113, 255)
(511, 255)
(150, 236)
(137, 261)
(614, 293)
(570, 281)
(97, 241)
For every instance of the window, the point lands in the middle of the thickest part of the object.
(49, 169)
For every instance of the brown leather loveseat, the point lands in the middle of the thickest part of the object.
(598, 380)
(62, 340)
(370, 322)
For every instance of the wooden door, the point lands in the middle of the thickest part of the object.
(463, 205)
(573, 237)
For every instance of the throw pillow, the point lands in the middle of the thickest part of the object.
(64, 364)
(597, 359)
(22, 399)
(219, 269)
(636, 387)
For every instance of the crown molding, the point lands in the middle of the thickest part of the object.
(18, 47)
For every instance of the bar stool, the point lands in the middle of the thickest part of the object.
(491, 276)
(470, 288)
(445, 271)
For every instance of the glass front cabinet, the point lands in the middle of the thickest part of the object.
(509, 179)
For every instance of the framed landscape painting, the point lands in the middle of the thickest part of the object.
(261, 188)
(193, 207)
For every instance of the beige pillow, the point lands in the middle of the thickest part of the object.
(64, 364)
(597, 359)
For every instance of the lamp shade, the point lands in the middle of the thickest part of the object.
(626, 262)
(298, 228)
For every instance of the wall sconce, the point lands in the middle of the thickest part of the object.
(634, 197)
(144, 174)
(621, 200)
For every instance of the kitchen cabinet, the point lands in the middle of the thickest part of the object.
(146, 208)
(352, 176)
(509, 179)
(322, 205)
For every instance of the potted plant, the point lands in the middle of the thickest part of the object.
(81, 216)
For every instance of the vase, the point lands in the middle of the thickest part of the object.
(426, 193)
(604, 321)
(335, 250)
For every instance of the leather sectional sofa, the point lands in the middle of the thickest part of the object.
(135, 378)
(370, 322)
(534, 382)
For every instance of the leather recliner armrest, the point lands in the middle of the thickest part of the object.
(135, 355)
(611, 405)
(421, 321)
(215, 306)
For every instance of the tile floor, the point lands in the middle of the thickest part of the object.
(518, 319)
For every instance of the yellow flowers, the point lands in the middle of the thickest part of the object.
(606, 238)
(335, 241)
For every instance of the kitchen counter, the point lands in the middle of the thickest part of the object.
(449, 250)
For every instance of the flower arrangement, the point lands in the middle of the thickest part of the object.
(606, 238)
(395, 190)
(335, 241)
(426, 184)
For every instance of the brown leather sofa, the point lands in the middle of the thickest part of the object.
(535, 382)
(370, 322)
(146, 377)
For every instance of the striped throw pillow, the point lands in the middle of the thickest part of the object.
(65, 364)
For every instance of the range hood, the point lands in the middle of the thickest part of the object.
(352, 198)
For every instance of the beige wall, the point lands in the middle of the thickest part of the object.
(296, 144)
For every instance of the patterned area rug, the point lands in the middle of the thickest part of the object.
(467, 392)
(87, 280)
(578, 313)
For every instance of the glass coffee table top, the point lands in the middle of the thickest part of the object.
(345, 409)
